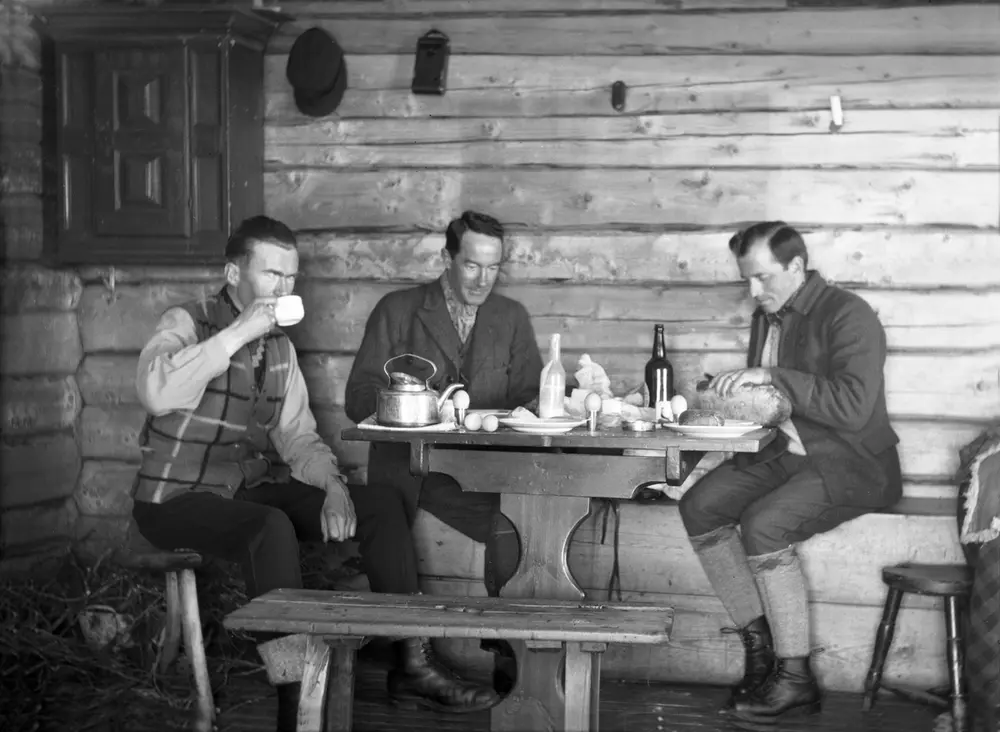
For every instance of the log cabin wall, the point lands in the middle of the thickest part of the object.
(618, 221)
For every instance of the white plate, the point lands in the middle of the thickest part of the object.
(732, 428)
(554, 426)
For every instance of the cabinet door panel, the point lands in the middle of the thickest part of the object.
(141, 169)
(75, 72)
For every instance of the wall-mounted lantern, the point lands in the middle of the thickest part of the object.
(618, 93)
(430, 68)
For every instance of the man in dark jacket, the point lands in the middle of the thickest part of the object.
(835, 459)
(474, 337)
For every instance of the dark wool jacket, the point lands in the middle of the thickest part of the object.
(500, 365)
(831, 360)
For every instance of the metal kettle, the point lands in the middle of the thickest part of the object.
(408, 401)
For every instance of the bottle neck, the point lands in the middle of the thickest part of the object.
(554, 348)
(659, 345)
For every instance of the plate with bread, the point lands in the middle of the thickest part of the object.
(706, 423)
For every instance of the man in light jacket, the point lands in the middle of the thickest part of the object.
(222, 386)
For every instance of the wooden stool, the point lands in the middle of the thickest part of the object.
(183, 617)
(953, 582)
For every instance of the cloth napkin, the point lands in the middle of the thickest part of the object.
(369, 423)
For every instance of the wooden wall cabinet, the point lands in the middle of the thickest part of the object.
(159, 130)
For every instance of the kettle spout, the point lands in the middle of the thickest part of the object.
(452, 388)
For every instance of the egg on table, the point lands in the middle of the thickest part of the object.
(678, 405)
(473, 421)
(490, 423)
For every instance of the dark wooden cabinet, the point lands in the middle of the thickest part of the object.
(159, 130)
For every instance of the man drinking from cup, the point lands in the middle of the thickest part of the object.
(222, 386)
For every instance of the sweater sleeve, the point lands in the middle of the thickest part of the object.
(175, 368)
(295, 438)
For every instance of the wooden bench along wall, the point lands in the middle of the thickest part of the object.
(619, 220)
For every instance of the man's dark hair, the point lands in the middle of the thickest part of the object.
(470, 221)
(785, 242)
(262, 229)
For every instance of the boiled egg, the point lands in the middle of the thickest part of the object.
(473, 421)
(490, 423)
(678, 405)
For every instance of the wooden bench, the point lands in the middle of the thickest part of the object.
(333, 625)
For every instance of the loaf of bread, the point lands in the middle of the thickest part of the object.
(760, 404)
(701, 418)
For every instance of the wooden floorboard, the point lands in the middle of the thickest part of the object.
(249, 705)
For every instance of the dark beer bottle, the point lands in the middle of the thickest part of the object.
(659, 372)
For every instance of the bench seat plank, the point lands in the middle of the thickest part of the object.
(331, 613)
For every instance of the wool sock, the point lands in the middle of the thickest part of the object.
(724, 560)
(786, 599)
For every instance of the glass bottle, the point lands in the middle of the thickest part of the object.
(553, 384)
(659, 372)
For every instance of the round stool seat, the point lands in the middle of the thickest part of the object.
(941, 580)
(139, 553)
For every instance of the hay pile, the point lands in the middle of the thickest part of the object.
(55, 674)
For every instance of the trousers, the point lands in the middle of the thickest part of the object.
(261, 527)
(776, 503)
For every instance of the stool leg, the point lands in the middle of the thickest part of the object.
(340, 684)
(956, 664)
(172, 630)
(195, 646)
(883, 640)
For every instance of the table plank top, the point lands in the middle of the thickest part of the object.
(580, 438)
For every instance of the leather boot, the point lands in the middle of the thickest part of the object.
(790, 690)
(288, 706)
(758, 660)
(421, 680)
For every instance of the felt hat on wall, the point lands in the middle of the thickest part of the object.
(317, 72)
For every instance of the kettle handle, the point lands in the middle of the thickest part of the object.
(385, 366)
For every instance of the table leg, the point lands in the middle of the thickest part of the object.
(536, 701)
(582, 686)
(544, 525)
(315, 674)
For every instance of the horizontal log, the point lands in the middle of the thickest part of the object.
(966, 29)
(917, 385)
(842, 566)
(96, 536)
(40, 523)
(855, 151)
(38, 469)
(324, 9)
(127, 320)
(38, 404)
(107, 378)
(893, 258)
(22, 227)
(785, 126)
(842, 637)
(618, 198)
(111, 433)
(569, 86)
(37, 289)
(35, 344)
(105, 488)
(695, 318)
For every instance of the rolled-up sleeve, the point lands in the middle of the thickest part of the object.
(174, 367)
(295, 437)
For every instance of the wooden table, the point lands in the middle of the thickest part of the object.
(546, 484)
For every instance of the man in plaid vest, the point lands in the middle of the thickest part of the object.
(223, 389)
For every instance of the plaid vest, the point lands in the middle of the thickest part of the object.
(221, 444)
